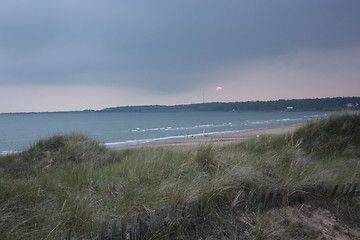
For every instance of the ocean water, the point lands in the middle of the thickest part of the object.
(20, 131)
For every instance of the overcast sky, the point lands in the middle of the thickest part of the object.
(87, 54)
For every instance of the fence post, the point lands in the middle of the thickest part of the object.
(282, 200)
(194, 208)
(143, 225)
(202, 205)
(68, 235)
(133, 227)
(113, 228)
(266, 198)
(123, 231)
(333, 192)
(260, 199)
(102, 231)
(341, 189)
(353, 190)
(347, 189)
(178, 210)
(152, 220)
(170, 210)
(252, 198)
(274, 198)
(186, 210)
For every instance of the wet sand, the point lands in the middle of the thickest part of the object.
(220, 138)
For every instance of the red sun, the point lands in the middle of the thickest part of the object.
(219, 89)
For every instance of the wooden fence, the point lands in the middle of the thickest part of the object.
(146, 224)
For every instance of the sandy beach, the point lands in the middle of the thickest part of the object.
(220, 138)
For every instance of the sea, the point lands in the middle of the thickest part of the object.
(20, 131)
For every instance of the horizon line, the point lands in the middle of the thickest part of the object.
(164, 105)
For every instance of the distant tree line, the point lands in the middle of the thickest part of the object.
(317, 104)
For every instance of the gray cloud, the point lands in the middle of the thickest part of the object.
(163, 45)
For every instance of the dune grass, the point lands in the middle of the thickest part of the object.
(74, 182)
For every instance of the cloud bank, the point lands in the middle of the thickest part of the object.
(90, 54)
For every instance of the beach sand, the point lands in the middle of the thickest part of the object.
(220, 138)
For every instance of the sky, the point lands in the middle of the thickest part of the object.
(65, 55)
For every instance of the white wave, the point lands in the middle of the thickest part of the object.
(259, 122)
(289, 119)
(141, 141)
(182, 128)
(275, 121)
(316, 116)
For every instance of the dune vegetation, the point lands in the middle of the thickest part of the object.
(72, 181)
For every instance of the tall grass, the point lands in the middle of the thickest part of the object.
(336, 135)
(74, 182)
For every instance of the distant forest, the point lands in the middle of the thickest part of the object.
(318, 104)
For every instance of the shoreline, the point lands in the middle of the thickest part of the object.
(190, 141)
(216, 138)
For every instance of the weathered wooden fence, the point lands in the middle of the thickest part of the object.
(146, 224)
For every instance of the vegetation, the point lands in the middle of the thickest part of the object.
(318, 137)
(290, 105)
(318, 104)
(74, 182)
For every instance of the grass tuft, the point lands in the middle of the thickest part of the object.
(205, 158)
(333, 136)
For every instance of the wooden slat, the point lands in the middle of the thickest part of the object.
(340, 190)
(266, 198)
(143, 225)
(162, 216)
(133, 227)
(353, 190)
(334, 190)
(113, 228)
(273, 198)
(171, 213)
(123, 230)
(102, 231)
(68, 235)
(152, 220)
(260, 198)
(347, 189)
(252, 197)
(194, 208)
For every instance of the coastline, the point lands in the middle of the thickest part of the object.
(217, 138)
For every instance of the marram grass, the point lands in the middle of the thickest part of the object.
(74, 182)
